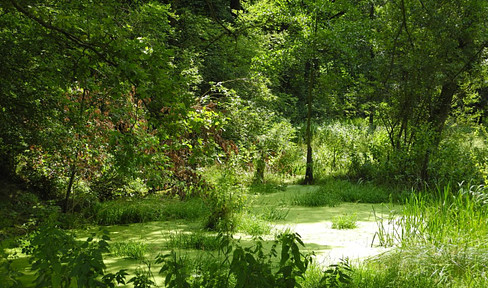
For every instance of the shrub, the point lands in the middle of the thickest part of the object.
(242, 266)
(58, 260)
(224, 202)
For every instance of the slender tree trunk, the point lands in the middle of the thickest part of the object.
(441, 110)
(312, 65)
(260, 167)
(371, 126)
(68, 190)
(75, 157)
(309, 168)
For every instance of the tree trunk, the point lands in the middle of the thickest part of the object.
(75, 156)
(437, 121)
(260, 167)
(441, 110)
(68, 190)
(309, 166)
(371, 126)
(235, 4)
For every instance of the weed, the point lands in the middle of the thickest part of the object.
(58, 260)
(387, 232)
(242, 266)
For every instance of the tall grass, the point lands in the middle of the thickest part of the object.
(442, 241)
(332, 193)
(125, 211)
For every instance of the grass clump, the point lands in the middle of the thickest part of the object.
(273, 213)
(253, 225)
(345, 221)
(130, 250)
(362, 192)
(195, 240)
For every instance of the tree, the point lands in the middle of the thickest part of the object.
(93, 84)
(427, 49)
(311, 55)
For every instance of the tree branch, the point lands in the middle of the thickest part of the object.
(66, 34)
(471, 60)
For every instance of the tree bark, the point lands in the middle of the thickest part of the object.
(437, 121)
(235, 5)
(441, 110)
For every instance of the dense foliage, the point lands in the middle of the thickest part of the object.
(115, 112)
(151, 91)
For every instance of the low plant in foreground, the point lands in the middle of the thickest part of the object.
(336, 275)
(283, 265)
(241, 266)
(58, 260)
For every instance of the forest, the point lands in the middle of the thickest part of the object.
(244, 143)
